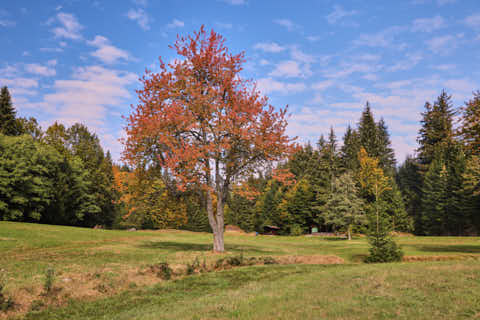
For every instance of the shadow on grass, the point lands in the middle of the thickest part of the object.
(336, 238)
(447, 248)
(188, 246)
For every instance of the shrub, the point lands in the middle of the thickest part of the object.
(383, 249)
(296, 230)
(163, 270)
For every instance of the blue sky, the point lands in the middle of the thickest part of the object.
(79, 61)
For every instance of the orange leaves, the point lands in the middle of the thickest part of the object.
(197, 116)
(284, 176)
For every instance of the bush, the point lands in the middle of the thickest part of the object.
(384, 249)
(49, 280)
(163, 270)
(296, 230)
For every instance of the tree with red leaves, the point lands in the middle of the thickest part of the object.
(204, 124)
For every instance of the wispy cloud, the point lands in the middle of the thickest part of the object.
(443, 44)
(269, 85)
(4, 20)
(269, 47)
(338, 14)
(412, 59)
(176, 24)
(140, 16)
(473, 20)
(42, 70)
(428, 24)
(106, 52)
(69, 27)
(286, 23)
(383, 39)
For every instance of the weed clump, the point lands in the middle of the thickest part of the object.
(49, 281)
(6, 303)
(162, 270)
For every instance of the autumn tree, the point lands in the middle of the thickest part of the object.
(204, 124)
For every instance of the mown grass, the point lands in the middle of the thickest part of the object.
(338, 292)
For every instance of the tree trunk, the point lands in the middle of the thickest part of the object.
(216, 223)
(349, 232)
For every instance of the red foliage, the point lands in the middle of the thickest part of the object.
(201, 121)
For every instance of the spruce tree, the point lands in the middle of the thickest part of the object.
(436, 133)
(470, 126)
(344, 208)
(8, 123)
(367, 131)
(350, 149)
(471, 193)
(434, 198)
(386, 155)
(409, 181)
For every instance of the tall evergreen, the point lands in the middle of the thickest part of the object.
(434, 198)
(367, 131)
(350, 149)
(344, 209)
(471, 193)
(8, 123)
(470, 126)
(386, 155)
(436, 133)
(409, 181)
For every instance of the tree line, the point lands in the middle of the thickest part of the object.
(63, 176)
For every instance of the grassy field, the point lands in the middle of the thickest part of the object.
(102, 274)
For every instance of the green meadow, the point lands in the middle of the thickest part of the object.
(104, 274)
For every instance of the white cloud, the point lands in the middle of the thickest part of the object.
(383, 39)
(473, 20)
(428, 24)
(289, 68)
(70, 27)
(412, 59)
(224, 25)
(19, 82)
(339, 13)
(444, 67)
(442, 44)
(235, 2)
(286, 23)
(4, 21)
(268, 85)
(87, 96)
(39, 69)
(140, 16)
(106, 52)
(176, 24)
(269, 47)
(313, 38)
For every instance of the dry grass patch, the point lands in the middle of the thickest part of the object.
(312, 259)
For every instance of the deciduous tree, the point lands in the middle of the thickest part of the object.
(204, 124)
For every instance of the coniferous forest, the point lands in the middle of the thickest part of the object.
(63, 176)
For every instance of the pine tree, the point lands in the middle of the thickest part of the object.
(470, 126)
(386, 155)
(344, 208)
(409, 181)
(367, 131)
(434, 198)
(436, 133)
(8, 122)
(471, 193)
(350, 149)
